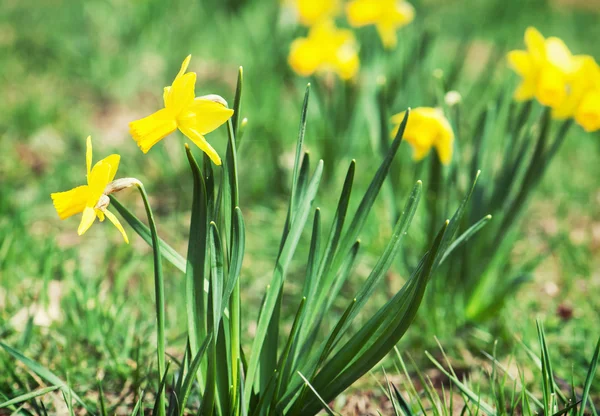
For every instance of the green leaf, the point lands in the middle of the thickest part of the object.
(273, 290)
(589, 379)
(44, 373)
(143, 231)
(186, 387)
(473, 396)
(323, 403)
(464, 237)
(27, 396)
(196, 280)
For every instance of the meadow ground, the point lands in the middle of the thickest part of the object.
(83, 307)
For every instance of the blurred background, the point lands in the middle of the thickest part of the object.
(69, 69)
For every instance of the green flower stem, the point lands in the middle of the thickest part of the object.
(159, 288)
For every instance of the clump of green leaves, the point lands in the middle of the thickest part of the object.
(297, 372)
(502, 393)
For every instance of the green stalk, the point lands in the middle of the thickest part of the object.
(159, 289)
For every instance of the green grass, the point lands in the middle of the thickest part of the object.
(70, 69)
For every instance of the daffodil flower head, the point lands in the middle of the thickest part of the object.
(546, 68)
(90, 199)
(583, 101)
(426, 128)
(387, 16)
(193, 116)
(325, 49)
(311, 12)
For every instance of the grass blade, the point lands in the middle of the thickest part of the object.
(27, 396)
(44, 373)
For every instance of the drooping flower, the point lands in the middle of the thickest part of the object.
(583, 100)
(311, 12)
(387, 16)
(426, 128)
(326, 49)
(193, 116)
(546, 67)
(90, 199)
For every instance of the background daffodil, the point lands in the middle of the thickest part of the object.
(387, 16)
(546, 67)
(583, 100)
(426, 128)
(194, 116)
(327, 48)
(90, 199)
(314, 11)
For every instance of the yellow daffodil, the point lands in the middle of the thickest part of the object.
(193, 116)
(311, 12)
(426, 128)
(90, 199)
(583, 100)
(326, 49)
(547, 67)
(387, 16)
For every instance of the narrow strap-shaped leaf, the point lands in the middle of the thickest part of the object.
(589, 379)
(161, 390)
(380, 334)
(143, 231)
(464, 237)
(237, 257)
(283, 360)
(283, 262)
(387, 257)
(43, 373)
(237, 105)
(28, 396)
(186, 387)
(323, 402)
(196, 280)
(402, 402)
(473, 396)
(299, 144)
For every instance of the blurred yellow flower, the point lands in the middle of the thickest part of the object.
(311, 12)
(194, 116)
(326, 49)
(387, 16)
(90, 199)
(583, 100)
(426, 128)
(547, 67)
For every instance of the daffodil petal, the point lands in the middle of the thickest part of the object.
(387, 33)
(521, 62)
(525, 91)
(113, 161)
(184, 66)
(181, 93)
(88, 154)
(558, 54)
(200, 141)
(70, 202)
(112, 218)
(97, 181)
(204, 115)
(166, 94)
(363, 12)
(305, 57)
(88, 218)
(536, 44)
(150, 130)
